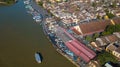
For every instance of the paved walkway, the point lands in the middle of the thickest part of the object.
(40, 9)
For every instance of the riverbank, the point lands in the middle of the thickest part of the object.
(46, 31)
(53, 39)
(8, 2)
(3, 3)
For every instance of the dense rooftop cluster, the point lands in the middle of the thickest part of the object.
(78, 11)
(78, 24)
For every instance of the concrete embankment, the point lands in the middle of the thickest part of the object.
(3, 3)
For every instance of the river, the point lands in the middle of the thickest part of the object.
(21, 37)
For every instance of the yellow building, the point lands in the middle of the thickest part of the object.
(53, 1)
(117, 53)
(114, 50)
(93, 64)
(106, 17)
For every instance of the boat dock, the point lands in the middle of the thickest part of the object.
(37, 17)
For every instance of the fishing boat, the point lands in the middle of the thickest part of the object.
(38, 57)
(37, 18)
(26, 2)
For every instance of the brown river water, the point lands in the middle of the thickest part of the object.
(21, 37)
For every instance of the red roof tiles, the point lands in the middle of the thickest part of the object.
(77, 52)
(85, 53)
(92, 27)
(78, 48)
(116, 20)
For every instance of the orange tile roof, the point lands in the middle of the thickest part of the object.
(111, 47)
(116, 20)
(118, 50)
(93, 27)
(112, 38)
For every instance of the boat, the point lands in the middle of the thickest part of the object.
(37, 18)
(26, 2)
(38, 57)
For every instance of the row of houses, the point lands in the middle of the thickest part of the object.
(72, 11)
(110, 43)
(78, 11)
(84, 0)
(114, 48)
(103, 41)
(72, 0)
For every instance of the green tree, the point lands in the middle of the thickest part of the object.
(40, 3)
(106, 33)
(106, 57)
(98, 17)
(96, 35)
(88, 38)
(113, 5)
(94, 4)
(111, 28)
(110, 15)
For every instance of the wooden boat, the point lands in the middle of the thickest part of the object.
(38, 57)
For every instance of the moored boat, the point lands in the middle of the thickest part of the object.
(37, 18)
(38, 57)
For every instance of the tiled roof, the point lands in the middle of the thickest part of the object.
(75, 46)
(111, 47)
(106, 40)
(112, 38)
(118, 50)
(80, 50)
(77, 51)
(116, 20)
(97, 43)
(93, 27)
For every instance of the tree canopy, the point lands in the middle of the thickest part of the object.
(111, 28)
(40, 3)
(106, 57)
(110, 15)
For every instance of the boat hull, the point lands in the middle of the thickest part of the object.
(38, 57)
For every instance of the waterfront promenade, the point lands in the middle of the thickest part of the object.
(45, 15)
(39, 9)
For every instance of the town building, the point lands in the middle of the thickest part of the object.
(114, 48)
(93, 64)
(74, 45)
(102, 42)
(116, 20)
(91, 27)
